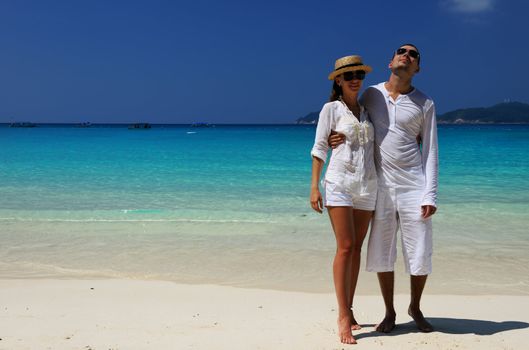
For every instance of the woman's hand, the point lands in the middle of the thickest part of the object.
(316, 201)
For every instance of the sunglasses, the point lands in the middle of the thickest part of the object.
(356, 75)
(412, 53)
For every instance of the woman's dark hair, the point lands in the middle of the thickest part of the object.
(336, 92)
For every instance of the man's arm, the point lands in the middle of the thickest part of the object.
(430, 162)
(335, 139)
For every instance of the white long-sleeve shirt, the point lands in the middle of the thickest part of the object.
(399, 160)
(351, 167)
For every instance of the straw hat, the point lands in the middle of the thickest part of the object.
(348, 64)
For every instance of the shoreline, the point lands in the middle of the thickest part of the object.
(135, 314)
(290, 256)
(286, 256)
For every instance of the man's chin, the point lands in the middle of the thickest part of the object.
(401, 70)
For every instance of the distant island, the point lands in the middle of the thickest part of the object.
(502, 113)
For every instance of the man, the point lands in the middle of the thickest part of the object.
(407, 178)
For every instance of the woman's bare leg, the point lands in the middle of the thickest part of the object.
(343, 225)
(361, 219)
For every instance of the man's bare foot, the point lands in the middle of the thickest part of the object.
(344, 330)
(354, 325)
(420, 321)
(387, 324)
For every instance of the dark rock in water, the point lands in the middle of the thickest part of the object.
(139, 126)
(23, 125)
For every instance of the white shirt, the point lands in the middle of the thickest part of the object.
(352, 166)
(400, 162)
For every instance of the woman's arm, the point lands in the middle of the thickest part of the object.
(319, 155)
(323, 130)
(316, 200)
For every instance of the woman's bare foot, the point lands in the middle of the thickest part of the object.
(354, 325)
(387, 324)
(420, 321)
(344, 330)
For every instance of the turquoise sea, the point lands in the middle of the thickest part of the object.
(229, 205)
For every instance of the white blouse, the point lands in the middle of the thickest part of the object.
(352, 166)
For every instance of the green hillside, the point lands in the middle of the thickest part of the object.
(508, 112)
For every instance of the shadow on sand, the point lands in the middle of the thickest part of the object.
(452, 326)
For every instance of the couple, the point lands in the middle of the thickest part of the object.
(384, 168)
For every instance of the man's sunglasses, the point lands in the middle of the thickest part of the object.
(355, 75)
(411, 52)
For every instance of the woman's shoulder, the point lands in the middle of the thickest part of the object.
(329, 112)
(330, 107)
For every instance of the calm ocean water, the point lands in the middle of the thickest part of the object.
(229, 205)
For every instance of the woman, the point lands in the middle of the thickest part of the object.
(350, 182)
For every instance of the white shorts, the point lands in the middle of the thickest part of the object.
(400, 209)
(337, 198)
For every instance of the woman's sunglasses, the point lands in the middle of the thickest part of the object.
(355, 75)
(411, 52)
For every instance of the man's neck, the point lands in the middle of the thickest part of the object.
(397, 85)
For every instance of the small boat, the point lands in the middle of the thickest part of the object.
(201, 125)
(84, 125)
(22, 125)
(139, 126)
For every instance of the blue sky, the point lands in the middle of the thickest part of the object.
(245, 61)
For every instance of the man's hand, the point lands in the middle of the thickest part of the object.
(335, 139)
(427, 211)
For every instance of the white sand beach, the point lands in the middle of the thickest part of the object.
(134, 314)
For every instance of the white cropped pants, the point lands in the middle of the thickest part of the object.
(400, 209)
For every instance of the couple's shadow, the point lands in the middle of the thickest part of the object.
(451, 326)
